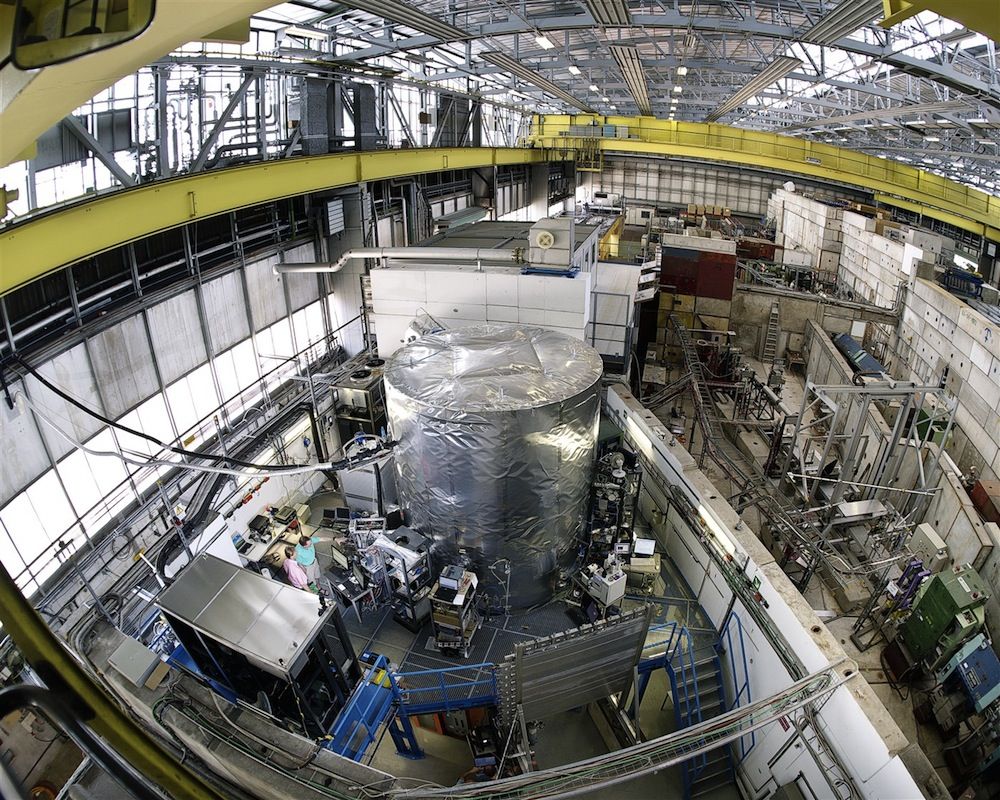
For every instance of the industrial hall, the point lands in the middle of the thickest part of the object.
(499, 400)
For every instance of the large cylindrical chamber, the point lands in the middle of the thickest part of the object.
(497, 428)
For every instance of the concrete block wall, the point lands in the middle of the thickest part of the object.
(871, 265)
(809, 228)
(941, 338)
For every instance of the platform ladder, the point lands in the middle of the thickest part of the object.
(699, 694)
(770, 350)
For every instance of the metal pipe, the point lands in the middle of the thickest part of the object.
(477, 254)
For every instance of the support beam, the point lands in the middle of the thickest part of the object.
(95, 147)
(220, 123)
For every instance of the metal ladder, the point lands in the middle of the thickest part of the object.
(771, 338)
(702, 394)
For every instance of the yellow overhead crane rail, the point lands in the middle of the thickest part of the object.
(55, 239)
(934, 196)
(38, 246)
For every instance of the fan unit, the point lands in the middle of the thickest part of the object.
(544, 239)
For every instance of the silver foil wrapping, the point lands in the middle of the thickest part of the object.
(497, 429)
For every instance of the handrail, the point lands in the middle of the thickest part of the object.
(445, 690)
(740, 691)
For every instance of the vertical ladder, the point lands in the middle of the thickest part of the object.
(702, 394)
(771, 337)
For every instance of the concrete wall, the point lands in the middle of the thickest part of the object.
(752, 307)
(940, 337)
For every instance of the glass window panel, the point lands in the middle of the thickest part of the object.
(24, 528)
(51, 505)
(182, 406)
(79, 480)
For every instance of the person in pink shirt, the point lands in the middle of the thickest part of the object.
(295, 574)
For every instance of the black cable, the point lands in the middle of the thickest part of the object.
(111, 423)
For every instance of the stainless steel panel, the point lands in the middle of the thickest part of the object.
(569, 670)
(266, 621)
(496, 428)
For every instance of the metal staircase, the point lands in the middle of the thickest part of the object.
(698, 690)
(770, 350)
(699, 696)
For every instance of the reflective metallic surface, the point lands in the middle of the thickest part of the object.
(497, 428)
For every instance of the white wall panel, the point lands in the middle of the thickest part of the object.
(175, 328)
(70, 371)
(267, 297)
(302, 289)
(21, 451)
(226, 311)
(123, 366)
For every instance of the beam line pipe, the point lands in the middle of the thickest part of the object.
(475, 254)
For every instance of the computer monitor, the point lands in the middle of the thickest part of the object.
(622, 548)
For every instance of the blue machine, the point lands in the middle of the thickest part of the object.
(861, 360)
(976, 669)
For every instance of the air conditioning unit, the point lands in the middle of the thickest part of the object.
(550, 242)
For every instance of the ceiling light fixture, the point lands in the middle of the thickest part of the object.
(613, 13)
(892, 112)
(574, 70)
(593, 87)
(515, 67)
(682, 71)
(678, 89)
(307, 33)
(544, 42)
(412, 18)
(847, 17)
(772, 73)
(932, 138)
(635, 77)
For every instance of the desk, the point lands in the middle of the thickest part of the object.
(280, 535)
(350, 590)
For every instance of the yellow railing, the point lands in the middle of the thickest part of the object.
(941, 198)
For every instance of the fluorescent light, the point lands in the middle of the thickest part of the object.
(412, 18)
(772, 73)
(574, 69)
(606, 99)
(682, 71)
(986, 142)
(593, 87)
(932, 138)
(892, 112)
(613, 107)
(977, 120)
(307, 33)
(544, 43)
(515, 67)
(678, 89)
(612, 13)
(847, 17)
(635, 77)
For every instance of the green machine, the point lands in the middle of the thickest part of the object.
(949, 608)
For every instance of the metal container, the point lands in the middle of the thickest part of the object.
(497, 430)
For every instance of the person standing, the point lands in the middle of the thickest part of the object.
(295, 574)
(305, 555)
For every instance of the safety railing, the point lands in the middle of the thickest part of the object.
(741, 677)
(439, 690)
